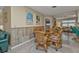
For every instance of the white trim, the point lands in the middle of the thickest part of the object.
(26, 26)
(21, 44)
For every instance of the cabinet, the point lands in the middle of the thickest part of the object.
(48, 22)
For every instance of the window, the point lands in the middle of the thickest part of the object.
(68, 22)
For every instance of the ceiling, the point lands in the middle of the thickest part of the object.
(58, 11)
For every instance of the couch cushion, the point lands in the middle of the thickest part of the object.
(2, 35)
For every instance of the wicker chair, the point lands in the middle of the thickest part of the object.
(56, 32)
(36, 29)
(56, 37)
(41, 40)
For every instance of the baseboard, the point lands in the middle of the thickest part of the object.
(21, 44)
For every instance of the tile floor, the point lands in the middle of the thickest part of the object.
(69, 46)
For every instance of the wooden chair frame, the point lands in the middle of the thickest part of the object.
(41, 40)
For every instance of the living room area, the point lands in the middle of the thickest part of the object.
(39, 29)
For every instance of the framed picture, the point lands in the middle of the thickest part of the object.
(29, 18)
(47, 21)
(37, 19)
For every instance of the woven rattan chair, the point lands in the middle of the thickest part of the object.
(41, 40)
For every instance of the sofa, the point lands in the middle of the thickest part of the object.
(4, 36)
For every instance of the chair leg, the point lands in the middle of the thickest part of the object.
(6, 50)
(1, 50)
(56, 45)
(46, 50)
(37, 46)
(56, 49)
(45, 47)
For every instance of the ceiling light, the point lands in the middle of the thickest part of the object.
(53, 6)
